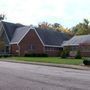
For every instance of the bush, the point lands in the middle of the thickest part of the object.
(36, 55)
(86, 61)
(0, 56)
(64, 54)
(27, 55)
(78, 56)
(6, 55)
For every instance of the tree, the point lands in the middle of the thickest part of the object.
(82, 28)
(2, 17)
(55, 26)
(86, 21)
(45, 25)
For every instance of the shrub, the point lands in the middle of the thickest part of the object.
(27, 55)
(36, 55)
(86, 61)
(6, 55)
(0, 56)
(64, 54)
(78, 56)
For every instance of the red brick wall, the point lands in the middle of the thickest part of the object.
(85, 54)
(14, 49)
(31, 39)
(85, 49)
(53, 53)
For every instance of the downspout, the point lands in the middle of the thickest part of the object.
(18, 49)
(9, 49)
(44, 49)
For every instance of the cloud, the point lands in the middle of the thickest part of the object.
(33, 11)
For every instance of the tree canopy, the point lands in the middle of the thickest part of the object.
(82, 28)
(55, 26)
(2, 17)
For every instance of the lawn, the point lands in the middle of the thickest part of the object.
(55, 60)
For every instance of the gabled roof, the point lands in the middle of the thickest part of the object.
(10, 28)
(52, 37)
(76, 40)
(16, 32)
(47, 37)
(19, 34)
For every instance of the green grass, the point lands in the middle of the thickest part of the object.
(56, 60)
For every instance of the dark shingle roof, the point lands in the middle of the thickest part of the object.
(49, 37)
(76, 40)
(19, 34)
(52, 37)
(10, 28)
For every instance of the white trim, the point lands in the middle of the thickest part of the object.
(52, 46)
(5, 32)
(14, 43)
(39, 37)
(21, 37)
(71, 45)
(43, 42)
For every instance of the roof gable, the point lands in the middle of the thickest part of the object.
(76, 40)
(10, 28)
(51, 37)
(19, 34)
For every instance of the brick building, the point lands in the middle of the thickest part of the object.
(78, 43)
(20, 40)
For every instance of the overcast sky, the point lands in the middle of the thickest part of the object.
(65, 12)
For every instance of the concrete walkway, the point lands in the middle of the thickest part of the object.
(79, 67)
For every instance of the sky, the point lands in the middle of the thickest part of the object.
(66, 12)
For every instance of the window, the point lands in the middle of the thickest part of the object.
(73, 48)
(32, 47)
(7, 49)
(85, 48)
(51, 48)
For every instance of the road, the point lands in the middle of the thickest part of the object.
(16, 76)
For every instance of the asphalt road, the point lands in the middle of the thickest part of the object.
(16, 76)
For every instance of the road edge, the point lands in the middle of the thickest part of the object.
(78, 67)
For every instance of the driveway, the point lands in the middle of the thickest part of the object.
(16, 76)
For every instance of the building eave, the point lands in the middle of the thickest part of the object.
(5, 32)
(52, 46)
(70, 45)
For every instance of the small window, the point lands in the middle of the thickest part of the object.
(7, 48)
(51, 48)
(73, 48)
(32, 47)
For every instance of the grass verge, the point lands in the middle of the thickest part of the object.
(55, 60)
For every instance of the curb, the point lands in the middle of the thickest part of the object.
(78, 67)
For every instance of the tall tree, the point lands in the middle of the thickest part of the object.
(2, 17)
(45, 25)
(55, 26)
(82, 28)
(86, 21)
